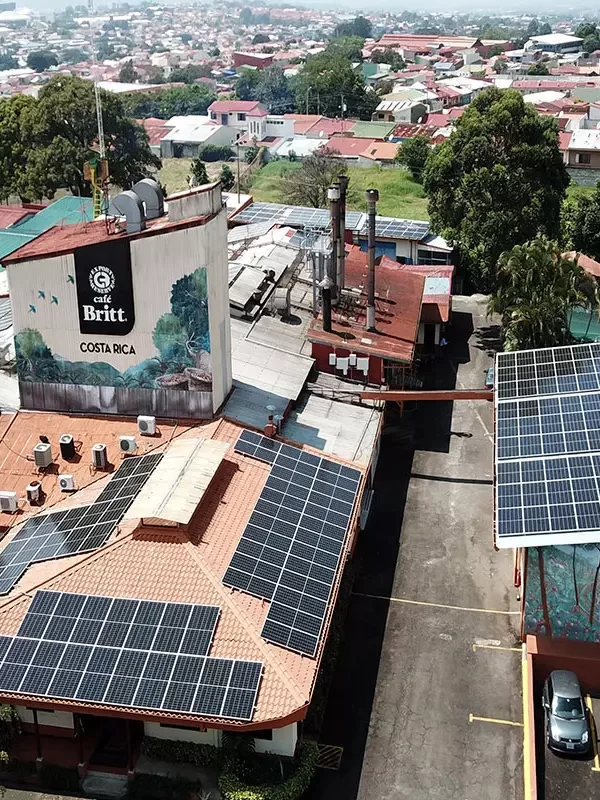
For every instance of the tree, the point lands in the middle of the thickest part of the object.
(495, 50)
(359, 26)
(186, 38)
(581, 223)
(261, 38)
(389, 56)
(308, 185)
(413, 154)
(14, 148)
(591, 43)
(251, 154)
(226, 178)
(199, 175)
(585, 29)
(349, 47)
(327, 81)
(544, 29)
(539, 68)
(191, 73)
(274, 91)
(8, 62)
(183, 100)
(128, 73)
(533, 27)
(537, 287)
(500, 66)
(498, 180)
(214, 53)
(61, 131)
(247, 85)
(41, 60)
(73, 55)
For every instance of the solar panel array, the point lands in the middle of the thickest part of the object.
(295, 216)
(291, 548)
(75, 530)
(139, 654)
(391, 228)
(548, 446)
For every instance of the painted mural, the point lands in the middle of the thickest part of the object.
(181, 338)
(562, 592)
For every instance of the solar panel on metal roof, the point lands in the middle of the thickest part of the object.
(290, 550)
(75, 530)
(557, 370)
(148, 671)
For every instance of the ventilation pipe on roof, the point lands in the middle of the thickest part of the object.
(343, 181)
(326, 286)
(333, 195)
(372, 196)
(150, 193)
(128, 205)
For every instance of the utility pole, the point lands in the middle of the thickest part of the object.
(371, 196)
(307, 96)
(237, 147)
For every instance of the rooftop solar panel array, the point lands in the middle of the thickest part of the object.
(391, 228)
(140, 654)
(290, 550)
(298, 216)
(548, 446)
(75, 530)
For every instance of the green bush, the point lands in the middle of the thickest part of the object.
(232, 787)
(215, 152)
(160, 787)
(62, 779)
(19, 770)
(202, 755)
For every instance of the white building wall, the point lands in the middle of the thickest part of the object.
(283, 742)
(55, 719)
(279, 126)
(211, 736)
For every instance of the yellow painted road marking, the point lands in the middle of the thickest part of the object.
(495, 647)
(526, 726)
(594, 734)
(435, 605)
(473, 718)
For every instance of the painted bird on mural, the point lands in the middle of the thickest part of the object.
(54, 299)
(70, 279)
(42, 294)
(32, 308)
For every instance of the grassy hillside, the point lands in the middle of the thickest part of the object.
(399, 195)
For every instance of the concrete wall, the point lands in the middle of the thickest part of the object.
(175, 734)
(49, 719)
(283, 742)
(594, 162)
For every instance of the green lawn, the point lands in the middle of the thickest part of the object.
(575, 191)
(399, 195)
(175, 172)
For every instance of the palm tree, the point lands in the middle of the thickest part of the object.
(537, 287)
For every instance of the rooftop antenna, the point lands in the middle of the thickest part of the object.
(96, 169)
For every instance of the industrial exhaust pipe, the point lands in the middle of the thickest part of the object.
(372, 196)
(343, 182)
(333, 195)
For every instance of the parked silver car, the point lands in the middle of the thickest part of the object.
(566, 720)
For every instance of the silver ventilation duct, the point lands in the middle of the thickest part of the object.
(128, 205)
(150, 193)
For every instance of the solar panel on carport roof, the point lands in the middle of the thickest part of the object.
(75, 530)
(148, 670)
(290, 550)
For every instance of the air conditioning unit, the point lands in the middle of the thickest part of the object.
(67, 446)
(33, 492)
(147, 425)
(8, 502)
(127, 444)
(42, 454)
(99, 457)
(66, 483)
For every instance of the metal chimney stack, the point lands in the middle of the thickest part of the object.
(333, 195)
(343, 182)
(372, 196)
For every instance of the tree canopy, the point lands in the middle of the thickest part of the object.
(41, 60)
(198, 175)
(45, 142)
(328, 81)
(498, 180)
(308, 185)
(581, 223)
(349, 47)
(270, 86)
(537, 289)
(190, 73)
(413, 154)
(389, 56)
(128, 73)
(359, 26)
(539, 68)
(169, 102)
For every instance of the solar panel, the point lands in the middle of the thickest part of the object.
(290, 550)
(75, 530)
(393, 228)
(295, 216)
(46, 658)
(557, 370)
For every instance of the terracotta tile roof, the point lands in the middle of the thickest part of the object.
(590, 265)
(230, 106)
(150, 563)
(436, 307)
(303, 122)
(11, 214)
(380, 151)
(398, 297)
(349, 146)
(328, 127)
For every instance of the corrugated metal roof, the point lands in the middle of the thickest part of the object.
(177, 485)
(66, 211)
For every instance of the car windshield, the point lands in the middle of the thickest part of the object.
(568, 707)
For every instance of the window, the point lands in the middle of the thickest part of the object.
(241, 117)
(213, 115)
(264, 734)
(584, 158)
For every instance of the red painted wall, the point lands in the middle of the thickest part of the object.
(320, 352)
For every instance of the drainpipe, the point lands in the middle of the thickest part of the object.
(333, 195)
(326, 286)
(372, 196)
(343, 181)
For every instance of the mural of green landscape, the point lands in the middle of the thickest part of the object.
(181, 338)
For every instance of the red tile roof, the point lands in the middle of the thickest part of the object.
(436, 307)
(398, 296)
(380, 151)
(328, 127)
(349, 146)
(143, 562)
(11, 214)
(303, 122)
(156, 129)
(230, 106)
(564, 140)
(590, 265)
(406, 130)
